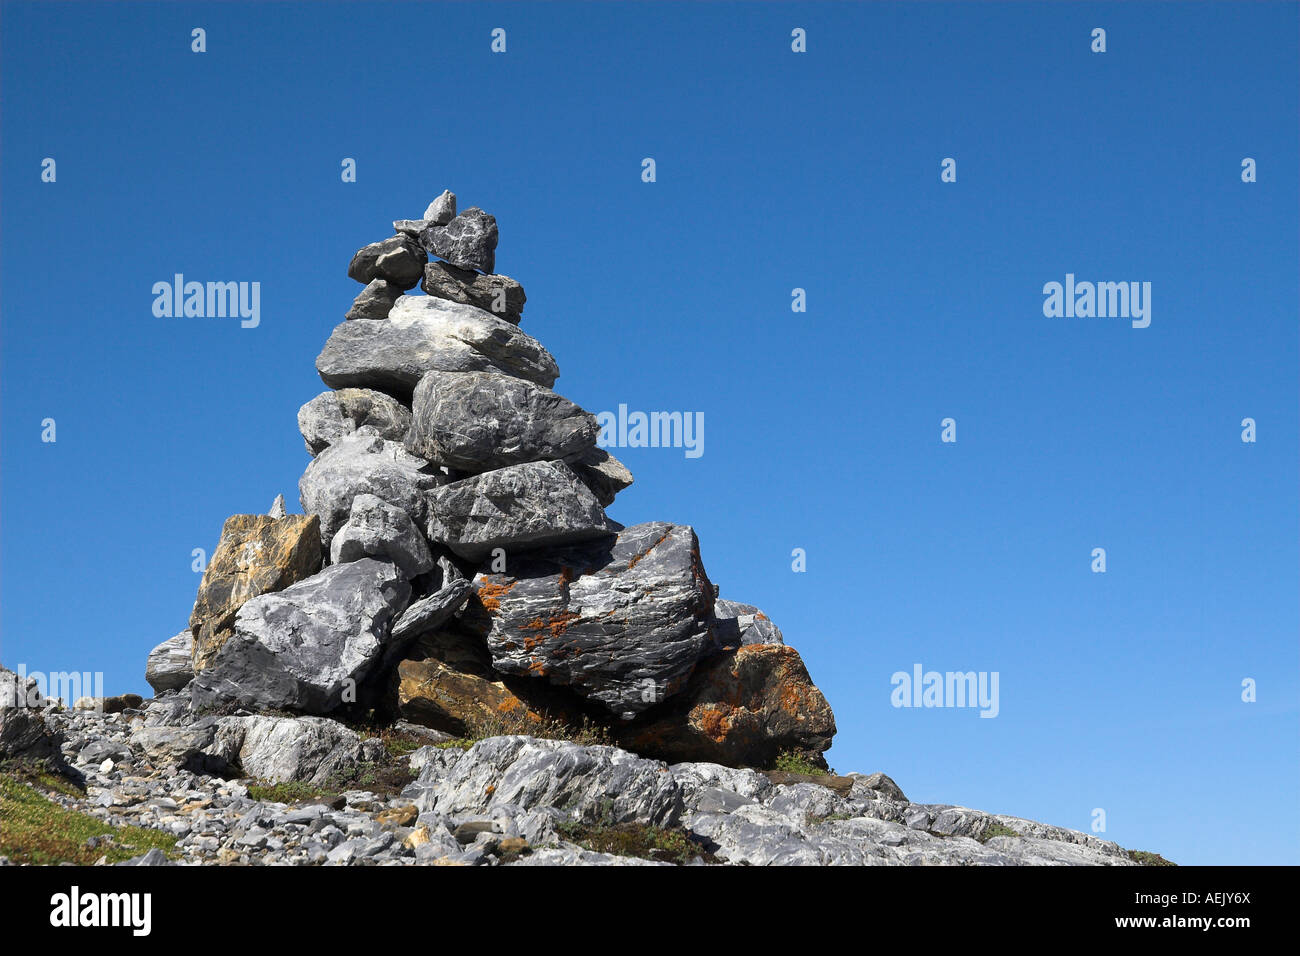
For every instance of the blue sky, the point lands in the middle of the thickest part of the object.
(775, 170)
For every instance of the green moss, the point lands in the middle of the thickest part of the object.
(792, 761)
(292, 792)
(1147, 858)
(635, 840)
(35, 829)
(996, 830)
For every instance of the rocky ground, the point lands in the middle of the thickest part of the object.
(347, 799)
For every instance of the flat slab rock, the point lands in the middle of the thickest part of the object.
(423, 334)
(518, 508)
(623, 622)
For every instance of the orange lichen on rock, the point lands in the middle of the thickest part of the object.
(489, 594)
(551, 627)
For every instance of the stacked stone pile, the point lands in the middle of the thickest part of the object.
(455, 574)
(455, 561)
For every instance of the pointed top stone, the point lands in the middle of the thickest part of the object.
(277, 508)
(442, 210)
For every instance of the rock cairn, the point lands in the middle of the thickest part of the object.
(455, 564)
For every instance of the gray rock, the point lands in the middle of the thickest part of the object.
(882, 785)
(376, 529)
(468, 242)
(189, 746)
(302, 648)
(290, 749)
(737, 624)
(478, 421)
(589, 784)
(331, 415)
(398, 260)
(359, 464)
(154, 857)
(423, 334)
(24, 731)
(277, 508)
(442, 210)
(170, 665)
(375, 300)
(580, 617)
(498, 294)
(411, 228)
(516, 508)
(430, 613)
(600, 471)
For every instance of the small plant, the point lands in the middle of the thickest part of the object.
(793, 761)
(996, 830)
(291, 792)
(586, 732)
(1147, 858)
(636, 840)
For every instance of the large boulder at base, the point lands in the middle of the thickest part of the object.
(448, 683)
(438, 695)
(292, 749)
(478, 421)
(622, 622)
(257, 554)
(500, 295)
(468, 242)
(303, 648)
(742, 708)
(331, 415)
(399, 260)
(600, 471)
(363, 463)
(589, 784)
(376, 529)
(375, 300)
(736, 624)
(170, 665)
(516, 508)
(423, 334)
(24, 733)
